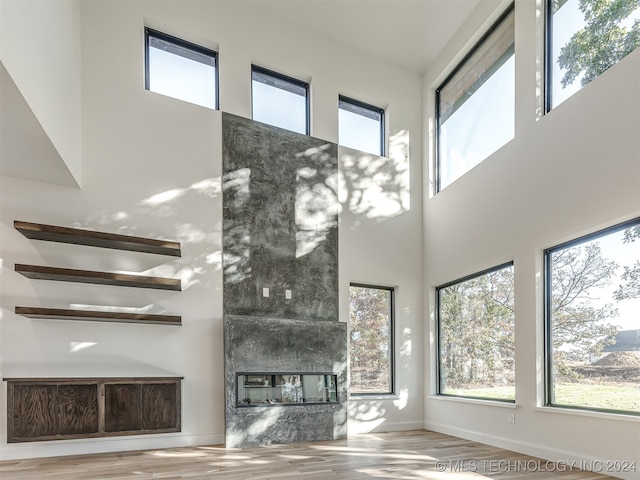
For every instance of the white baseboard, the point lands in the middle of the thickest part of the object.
(57, 448)
(534, 450)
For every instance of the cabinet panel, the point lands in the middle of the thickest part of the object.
(159, 406)
(122, 408)
(61, 408)
(78, 409)
(35, 410)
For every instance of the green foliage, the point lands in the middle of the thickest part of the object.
(477, 332)
(602, 42)
(369, 339)
(576, 323)
(477, 347)
(631, 275)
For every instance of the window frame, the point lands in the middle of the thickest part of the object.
(392, 341)
(294, 81)
(153, 33)
(438, 330)
(548, 60)
(477, 45)
(372, 108)
(548, 306)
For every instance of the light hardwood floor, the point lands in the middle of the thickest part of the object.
(414, 455)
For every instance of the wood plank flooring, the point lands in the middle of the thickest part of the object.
(414, 455)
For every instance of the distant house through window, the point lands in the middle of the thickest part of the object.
(181, 69)
(371, 353)
(592, 306)
(280, 100)
(476, 104)
(361, 126)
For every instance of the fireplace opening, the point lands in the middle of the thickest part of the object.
(267, 389)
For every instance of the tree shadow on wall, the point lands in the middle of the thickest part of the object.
(375, 188)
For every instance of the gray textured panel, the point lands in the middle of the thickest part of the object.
(280, 222)
(259, 344)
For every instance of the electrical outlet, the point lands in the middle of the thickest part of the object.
(265, 292)
(512, 418)
(287, 294)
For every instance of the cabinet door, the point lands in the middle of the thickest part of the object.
(78, 409)
(34, 410)
(122, 407)
(159, 407)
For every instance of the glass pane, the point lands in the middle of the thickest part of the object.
(370, 349)
(177, 72)
(587, 38)
(286, 388)
(595, 322)
(476, 106)
(360, 128)
(476, 337)
(279, 103)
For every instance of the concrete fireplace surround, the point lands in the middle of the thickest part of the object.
(260, 344)
(280, 248)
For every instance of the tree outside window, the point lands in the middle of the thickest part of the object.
(476, 336)
(586, 38)
(371, 339)
(593, 321)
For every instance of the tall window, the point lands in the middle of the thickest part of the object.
(280, 100)
(593, 321)
(585, 38)
(371, 339)
(361, 126)
(476, 104)
(476, 342)
(180, 69)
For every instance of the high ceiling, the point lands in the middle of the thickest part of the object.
(407, 33)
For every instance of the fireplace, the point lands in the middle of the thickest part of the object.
(285, 380)
(285, 350)
(271, 389)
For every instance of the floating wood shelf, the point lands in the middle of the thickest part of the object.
(98, 316)
(102, 278)
(51, 233)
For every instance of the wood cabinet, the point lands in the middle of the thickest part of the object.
(56, 409)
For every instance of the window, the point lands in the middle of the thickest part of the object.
(371, 339)
(476, 342)
(585, 38)
(361, 126)
(180, 69)
(592, 321)
(280, 100)
(476, 104)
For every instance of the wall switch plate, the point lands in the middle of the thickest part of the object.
(265, 292)
(287, 294)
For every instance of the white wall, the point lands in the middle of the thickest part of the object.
(40, 48)
(151, 166)
(571, 172)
